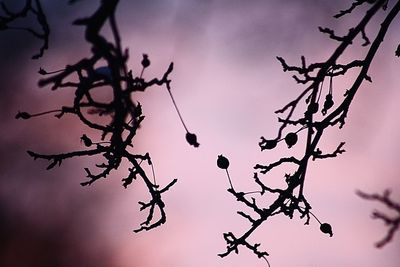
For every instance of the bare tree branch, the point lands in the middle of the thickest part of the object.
(33, 7)
(393, 223)
(114, 140)
(290, 199)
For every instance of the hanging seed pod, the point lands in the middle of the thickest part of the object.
(23, 115)
(192, 139)
(267, 144)
(313, 108)
(291, 139)
(222, 162)
(86, 140)
(41, 71)
(145, 61)
(326, 228)
(328, 103)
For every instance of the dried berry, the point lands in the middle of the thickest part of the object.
(42, 71)
(23, 115)
(291, 139)
(145, 61)
(328, 103)
(192, 139)
(267, 144)
(313, 108)
(86, 140)
(222, 162)
(326, 228)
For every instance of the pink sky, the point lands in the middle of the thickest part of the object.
(228, 84)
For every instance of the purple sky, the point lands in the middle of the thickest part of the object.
(228, 84)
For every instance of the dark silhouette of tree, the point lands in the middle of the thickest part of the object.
(312, 114)
(30, 8)
(120, 118)
(116, 122)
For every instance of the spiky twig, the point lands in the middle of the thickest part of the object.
(125, 115)
(33, 7)
(393, 223)
(291, 198)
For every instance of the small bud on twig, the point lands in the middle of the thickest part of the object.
(23, 115)
(86, 140)
(192, 139)
(222, 162)
(145, 61)
(291, 139)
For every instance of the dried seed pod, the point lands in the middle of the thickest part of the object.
(222, 162)
(41, 71)
(291, 139)
(328, 103)
(192, 139)
(326, 228)
(267, 144)
(313, 108)
(86, 140)
(23, 115)
(145, 61)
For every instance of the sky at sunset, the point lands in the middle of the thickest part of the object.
(227, 83)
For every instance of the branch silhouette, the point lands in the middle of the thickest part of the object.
(393, 223)
(34, 8)
(291, 199)
(106, 67)
(116, 122)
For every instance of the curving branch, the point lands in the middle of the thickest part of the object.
(104, 68)
(317, 116)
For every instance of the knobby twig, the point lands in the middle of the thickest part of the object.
(106, 67)
(31, 7)
(291, 198)
(393, 223)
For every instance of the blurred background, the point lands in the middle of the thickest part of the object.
(227, 83)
